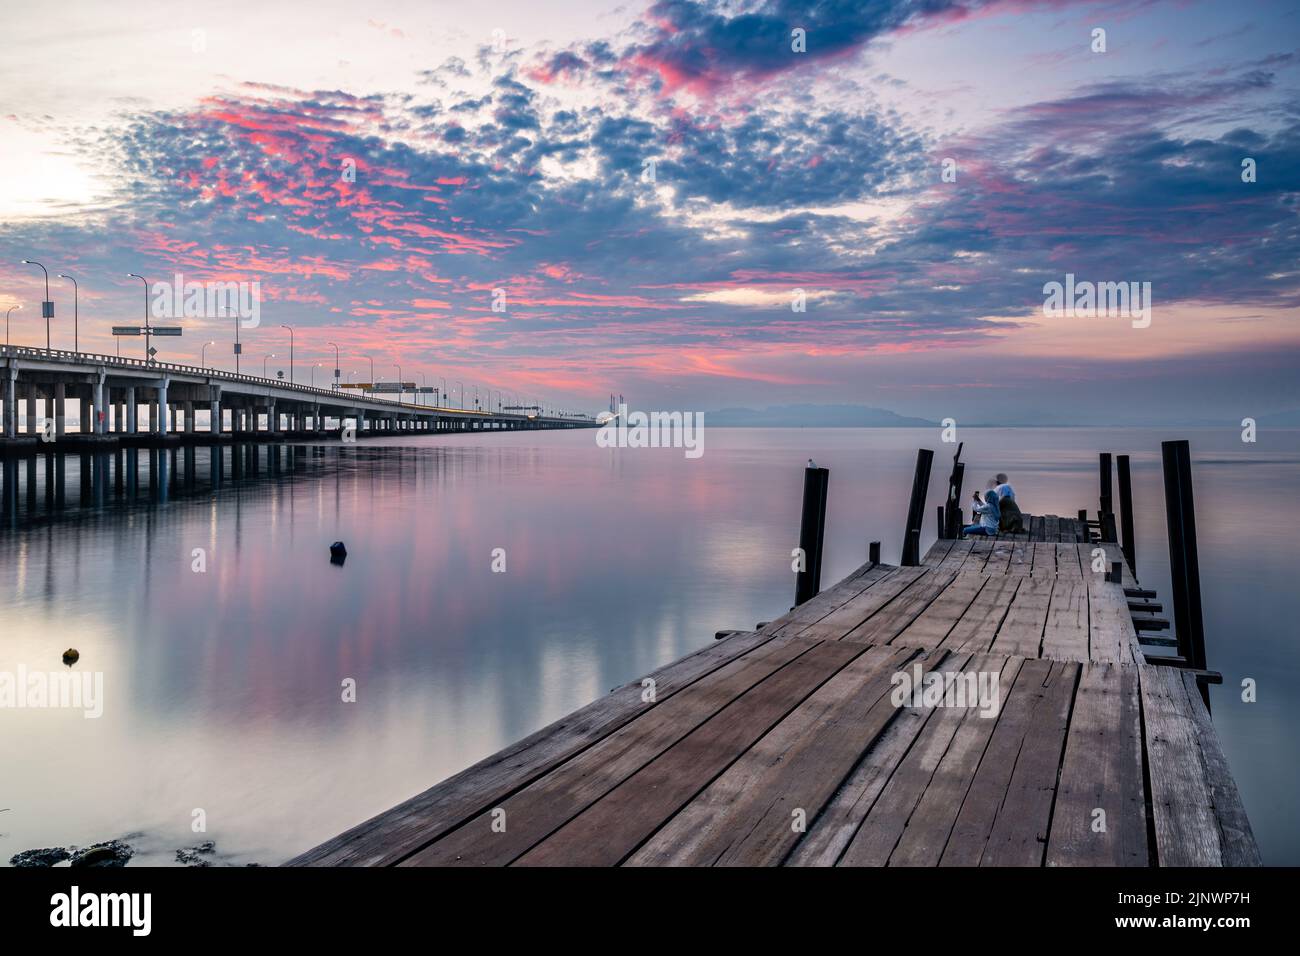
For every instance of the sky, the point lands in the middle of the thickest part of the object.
(643, 190)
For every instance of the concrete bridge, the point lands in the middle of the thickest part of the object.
(188, 403)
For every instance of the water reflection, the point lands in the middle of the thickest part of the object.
(199, 582)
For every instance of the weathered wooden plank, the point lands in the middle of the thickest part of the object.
(1044, 558)
(938, 551)
(884, 626)
(1035, 527)
(1065, 631)
(862, 606)
(1102, 771)
(755, 812)
(825, 602)
(1035, 698)
(888, 817)
(1110, 628)
(831, 830)
(933, 625)
(931, 823)
(548, 803)
(976, 630)
(1067, 561)
(1186, 828)
(1022, 557)
(1051, 528)
(613, 827)
(957, 556)
(1020, 830)
(1021, 633)
(1236, 839)
(1000, 557)
(394, 834)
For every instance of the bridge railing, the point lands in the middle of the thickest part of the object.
(118, 361)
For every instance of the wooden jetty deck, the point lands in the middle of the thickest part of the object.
(782, 746)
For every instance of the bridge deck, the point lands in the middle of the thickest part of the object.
(783, 747)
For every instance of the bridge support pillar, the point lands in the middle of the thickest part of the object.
(31, 410)
(164, 423)
(60, 397)
(11, 402)
(99, 420)
(272, 418)
(214, 410)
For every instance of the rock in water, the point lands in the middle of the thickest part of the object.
(111, 853)
(338, 553)
(71, 656)
(193, 856)
(46, 857)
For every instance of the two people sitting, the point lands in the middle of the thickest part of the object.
(997, 510)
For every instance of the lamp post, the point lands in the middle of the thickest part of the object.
(443, 393)
(336, 365)
(424, 383)
(47, 307)
(399, 383)
(290, 328)
(372, 371)
(76, 297)
(131, 275)
(313, 374)
(269, 355)
(12, 309)
(460, 385)
(203, 354)
(238, 348)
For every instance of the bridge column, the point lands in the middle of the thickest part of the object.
(99, 410)
(164, 410)
(132, 411)
(214, 409)
(11, 402)
(60, 396)
(31, 410)
(272, 418)
(189, 416)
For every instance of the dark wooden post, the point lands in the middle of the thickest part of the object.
(916, 508)
(953, 504)
(873, 551)
(943, 521)
(812, 531)
(1128, 545)
(1184, 568)
(1105, 472)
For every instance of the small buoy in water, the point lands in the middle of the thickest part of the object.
(70, 656)
(338, 553)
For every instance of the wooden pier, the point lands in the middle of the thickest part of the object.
(784, 745)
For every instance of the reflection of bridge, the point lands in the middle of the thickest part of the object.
(183, 402)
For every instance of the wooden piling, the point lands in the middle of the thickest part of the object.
(812, 532)
(916, 508)
(1184, 567)
(1127, 545)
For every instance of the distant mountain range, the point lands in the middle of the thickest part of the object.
(813, 416)
(863, 416)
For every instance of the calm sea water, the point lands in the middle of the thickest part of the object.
(222, 688)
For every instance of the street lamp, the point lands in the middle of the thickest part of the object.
(203, 354)
(372, 371)
(336, 364)
(270, 355)
(47, 307)
(313, 374)
(443, 393)
(131, 275)
(290, 352)
(12, 309)
(76, 296)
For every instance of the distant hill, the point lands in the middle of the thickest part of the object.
(813, 416)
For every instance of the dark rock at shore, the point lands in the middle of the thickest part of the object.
(110, 853)
(45, 857)
(193, 856)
